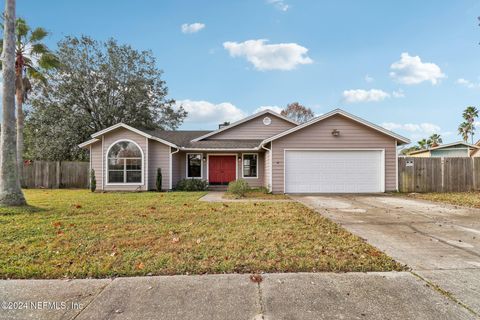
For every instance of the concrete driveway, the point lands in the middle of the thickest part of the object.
(441, 243)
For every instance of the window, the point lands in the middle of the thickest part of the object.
(124, 160)
(194, 165)
(250, 165)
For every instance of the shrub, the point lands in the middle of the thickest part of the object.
(93, 181)
(159, 179)
(262, 189)
(238, 188)
(192, 185)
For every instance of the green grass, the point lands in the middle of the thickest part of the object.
(75, 233)
(467, 199)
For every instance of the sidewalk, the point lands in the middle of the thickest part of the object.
(388, 295)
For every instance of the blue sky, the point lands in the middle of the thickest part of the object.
(412, 66)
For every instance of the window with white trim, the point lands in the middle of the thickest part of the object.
(124, 162)
(250, 165)
(194, 165)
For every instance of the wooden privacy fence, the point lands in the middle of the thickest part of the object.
(55, 174)
(438, 174)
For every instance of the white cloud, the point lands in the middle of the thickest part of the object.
(467, 83)
(276, 109)
(411, 70)
(424, 128)
(207, 113)
(398, 93)
(192, 28)
(369, 79)
(279, 4)
(360, 95)
(263, 56)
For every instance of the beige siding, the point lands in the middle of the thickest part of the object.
(176, 168)
(255, 129)
(266, 166)
(424, 154)
(180, 167)
(158, 157)
(353, 135)
(96, 158)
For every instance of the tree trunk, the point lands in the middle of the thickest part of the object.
(10, 191)
(20, 119)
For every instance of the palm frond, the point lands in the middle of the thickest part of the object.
(38, 34)
(36, 74)
(38, 49)
(21, 28)
(49, 61)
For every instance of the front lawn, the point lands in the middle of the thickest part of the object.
(74, 233)
(467, 199)
(257, 194)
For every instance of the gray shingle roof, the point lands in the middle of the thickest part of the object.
(182, 138)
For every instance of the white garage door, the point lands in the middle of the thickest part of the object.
(332, 171)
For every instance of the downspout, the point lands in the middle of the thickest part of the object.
(270, 177)
(171, 169)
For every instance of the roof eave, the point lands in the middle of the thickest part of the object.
(219, 149)
(88, 142)
(140, 132)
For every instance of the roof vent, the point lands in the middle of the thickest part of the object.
(222, 125)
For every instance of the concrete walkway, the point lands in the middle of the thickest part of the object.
(389, 295)
(217, 196)
(440, 242)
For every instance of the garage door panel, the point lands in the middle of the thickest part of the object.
(333, 171)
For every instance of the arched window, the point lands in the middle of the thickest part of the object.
(124, 160)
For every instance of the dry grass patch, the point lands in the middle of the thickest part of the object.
(73, 233)
(467, 199)
(257, 194)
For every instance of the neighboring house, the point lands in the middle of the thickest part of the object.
(455, 149)
(335, 152)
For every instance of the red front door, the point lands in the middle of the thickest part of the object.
(221, 169)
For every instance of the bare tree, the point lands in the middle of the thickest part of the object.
(10, 191)
(297, 112)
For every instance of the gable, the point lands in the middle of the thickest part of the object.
(126, 128)
(352, 134)
(255, 128)
(353, 119)
(275, 124)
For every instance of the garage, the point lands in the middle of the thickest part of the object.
(334, 171)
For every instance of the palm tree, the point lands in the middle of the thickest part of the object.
(10, 191)
(464, 130)
(470, 114)
(422, 144)
(434, 140)
(32, 58)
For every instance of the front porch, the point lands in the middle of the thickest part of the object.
(218, 168)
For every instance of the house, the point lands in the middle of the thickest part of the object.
(336, 152)
(454, 149)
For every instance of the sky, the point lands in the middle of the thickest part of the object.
(410, 66)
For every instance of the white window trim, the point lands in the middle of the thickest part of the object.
(256, 173)
(127, 183)
(201, 165)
